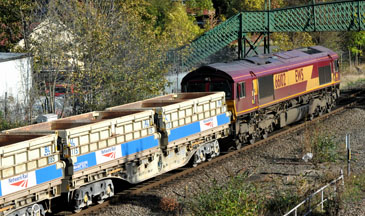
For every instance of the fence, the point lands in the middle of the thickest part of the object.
(312, 197)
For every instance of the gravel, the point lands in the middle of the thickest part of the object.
(277, 164)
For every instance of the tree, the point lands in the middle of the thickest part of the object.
(179, 27)
(201, 4)
(231, 7)
(291, 40)
(171, 23)
(111, 52)
(106, 50)
(15, 22)
(51, 46)
(355, 43)
(199, 7)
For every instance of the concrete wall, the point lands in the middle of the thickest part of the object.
(175, 82)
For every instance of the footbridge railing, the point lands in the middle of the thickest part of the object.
(330, 16)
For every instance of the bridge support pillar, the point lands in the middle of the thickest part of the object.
(248, 44)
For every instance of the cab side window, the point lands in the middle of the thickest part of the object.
(336, 66)
(241, 90)
(324, 74)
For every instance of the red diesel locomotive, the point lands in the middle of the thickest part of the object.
(270, 91)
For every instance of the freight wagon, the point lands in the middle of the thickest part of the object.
(79, 157)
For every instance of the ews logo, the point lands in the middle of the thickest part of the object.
(299, 75)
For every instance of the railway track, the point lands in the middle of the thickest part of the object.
(347, 100)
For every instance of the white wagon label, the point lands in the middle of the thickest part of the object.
(209, 123)
(108, 154)
(17, 183)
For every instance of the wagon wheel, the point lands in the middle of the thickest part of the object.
(100, 198)
(217, 150)
(202, 155)
(86, 199)
(196, 159)
(253, 140)
(78, 210)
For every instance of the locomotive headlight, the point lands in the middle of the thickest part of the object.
(207, 79)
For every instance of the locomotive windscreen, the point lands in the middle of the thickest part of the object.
(209, 85)
(195, 87)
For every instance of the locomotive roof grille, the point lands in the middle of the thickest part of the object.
(310, 50)
(261, 59)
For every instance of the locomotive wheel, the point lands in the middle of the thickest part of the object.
(329, 107)
(315, 114)
(321, 111)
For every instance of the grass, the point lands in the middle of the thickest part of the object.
(354, 188)
(237, 197)
(357, 83)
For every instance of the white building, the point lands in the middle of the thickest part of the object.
(15, 83)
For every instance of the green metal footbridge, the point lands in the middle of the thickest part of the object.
(331, 16)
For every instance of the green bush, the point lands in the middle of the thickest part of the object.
(237, 197)
(5, 125)
(324, 147)
(282, 202)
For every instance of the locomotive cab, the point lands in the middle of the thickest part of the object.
(206, 80)
(209, 79)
